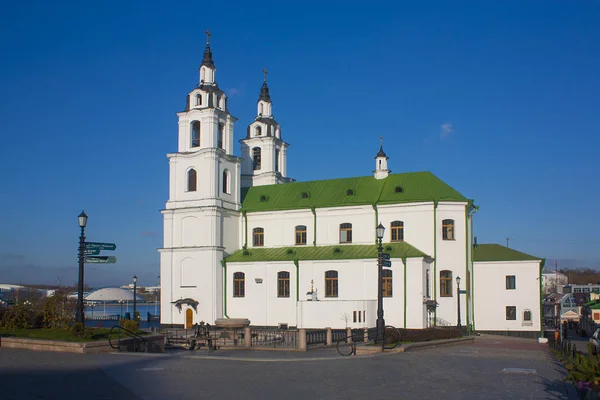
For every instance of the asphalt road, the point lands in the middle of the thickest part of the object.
(490, 368)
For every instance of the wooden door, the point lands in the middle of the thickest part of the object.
(189, 318)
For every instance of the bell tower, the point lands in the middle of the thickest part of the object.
(263, 150)
(381, 168)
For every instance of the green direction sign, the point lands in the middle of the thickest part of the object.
(462, 292)
(100, 259)
(385, 256)
(386, 263)
(100, 246)
(91, 252)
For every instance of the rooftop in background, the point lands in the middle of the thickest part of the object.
(366, 190)
(338, 252)
(496, 252)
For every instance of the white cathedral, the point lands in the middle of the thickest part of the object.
(244, 240)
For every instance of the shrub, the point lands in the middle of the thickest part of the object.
(20, 316)
(427, 334)
(81, 331)
(130, 325)
(57, 311)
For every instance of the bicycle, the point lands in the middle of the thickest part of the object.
(391, 339)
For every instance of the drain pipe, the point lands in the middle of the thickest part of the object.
(224, 265)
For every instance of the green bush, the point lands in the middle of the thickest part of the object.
(58, 311)
(130, 325)
(20, 316)
(427, 334)
(81, 331)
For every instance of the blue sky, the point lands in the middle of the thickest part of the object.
(500, 99)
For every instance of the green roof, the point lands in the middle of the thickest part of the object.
(339, 252)
(396, 188)
(496, 252)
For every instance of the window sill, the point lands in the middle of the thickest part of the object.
(238, 297)
(449, 240)
(527, 324)
(446, 296)
(300, 244)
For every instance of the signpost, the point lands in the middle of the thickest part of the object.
(386, 264)
(385, 256)
(100, 259)
(100, 246)
(91, 252)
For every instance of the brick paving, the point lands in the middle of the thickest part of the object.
(488, 368)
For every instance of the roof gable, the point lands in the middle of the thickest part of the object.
(396, 188)
(496, 252)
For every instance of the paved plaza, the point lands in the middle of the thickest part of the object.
(491, 367)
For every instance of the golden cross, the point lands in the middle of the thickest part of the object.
(312, 285)
(208, 35)
(381, 140)
(265, 72)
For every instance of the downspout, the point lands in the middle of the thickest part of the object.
(541, 298)
(314, 225)
(376, 222)
(245, 229)
(404, 262)
(467, 275)
(297, 264)
(476, 208)
(435, 278)
(224, 265)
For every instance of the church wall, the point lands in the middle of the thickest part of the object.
(280, 227)
(418, 223)
(362, 219)
(492, 297)
(337, 314)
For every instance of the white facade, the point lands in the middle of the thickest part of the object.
(493, 296)
(206, 223)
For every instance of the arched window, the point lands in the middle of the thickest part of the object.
(527, 316)
(386, 282)
(239, 284)
(276, 160)
(301, 234)
(283, 284)
(331, 284)
(445, 283)
(195, 133)
(226, 182)
(260, 109)
(397, 231)
(256, 158)
(192, 180)
(198, 99)
(448, 229)
(345, 233)
(258, 131)
(258, 237)
(220, 136)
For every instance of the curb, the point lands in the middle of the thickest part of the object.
(437, 343)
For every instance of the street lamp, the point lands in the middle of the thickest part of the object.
(458, 299)
(380, 321)
(134, 291)
(79, 316)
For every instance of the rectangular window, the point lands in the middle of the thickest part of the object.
(427, 284)
(239, 284)
(386, 283)
(511, 313)
(355, 319)
(448, 229)
(346, 233)
(359, 319)
(301, 234)
(364, 316)
(445, 283)
(511, 282)
(596, 316)
(331, 284)
(283, 284)
(258, 237)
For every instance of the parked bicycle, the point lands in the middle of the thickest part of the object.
(391, 338)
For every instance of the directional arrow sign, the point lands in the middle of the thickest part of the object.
(385, 256)
(387, 264)
(100, 246)
(100, 260)
(91, 252)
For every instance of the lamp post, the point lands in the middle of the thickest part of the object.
(79, 316)
(134, 300)
(380, 321)
(458, 300)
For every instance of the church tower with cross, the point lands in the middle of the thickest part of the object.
(263, 150)
(202, 214)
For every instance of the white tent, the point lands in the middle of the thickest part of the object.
(112, 294)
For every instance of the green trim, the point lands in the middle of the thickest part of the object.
(473, 270)
(376, 222)
(245, 229)
(338, 252)
(297, 264)
(435, 204)
(404, 262)
(541, 300)
(467, 275)
(224, 265)
(315, 225)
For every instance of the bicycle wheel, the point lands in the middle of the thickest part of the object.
(392, 337)
(345, 347)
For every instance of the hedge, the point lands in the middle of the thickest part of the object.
(425, 335)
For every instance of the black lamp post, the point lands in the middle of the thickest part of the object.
(134, 296)
(79, 316)
(458, 300)
(380, 321)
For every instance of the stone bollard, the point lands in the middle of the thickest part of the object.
(328, 341)
(349, 334)
(366, 335)
(247, 337)
(302, 339)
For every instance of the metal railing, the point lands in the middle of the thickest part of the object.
(139, 343)
(274, 338)
(316, 337)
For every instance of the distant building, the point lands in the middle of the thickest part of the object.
(553, 281)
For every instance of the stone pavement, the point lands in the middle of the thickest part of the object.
(491, 367)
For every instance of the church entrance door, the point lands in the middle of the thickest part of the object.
(189, 318)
